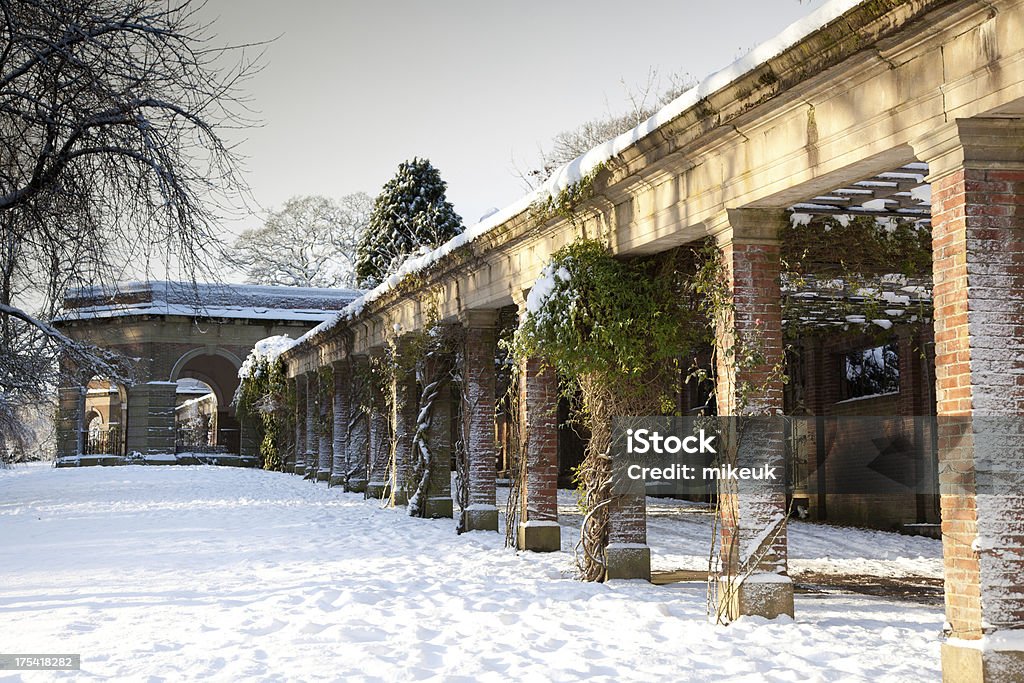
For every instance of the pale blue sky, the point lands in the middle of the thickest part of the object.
(352, 88)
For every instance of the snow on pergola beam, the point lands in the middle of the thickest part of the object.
(902, 193)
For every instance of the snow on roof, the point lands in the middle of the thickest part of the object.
(572, 172)
(209, 300)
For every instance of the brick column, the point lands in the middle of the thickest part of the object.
(977, 174)
(380, 438)
(357, 451)
(340, 416)
(406, 407)
(325, 405)
(312, 456)
(70, 421)
(151, 417)
(753, 544)
(299, 450)
(627, 555)
(481, 513)
(538, 510)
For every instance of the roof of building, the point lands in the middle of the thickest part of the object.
(205, 300)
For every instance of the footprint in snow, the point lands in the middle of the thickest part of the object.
(274, 626)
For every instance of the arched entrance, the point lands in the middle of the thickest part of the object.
(105, 414)
(205, 420)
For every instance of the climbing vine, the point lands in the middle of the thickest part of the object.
(565, 203)
(265, 400)
(426, 356)
(616, 331)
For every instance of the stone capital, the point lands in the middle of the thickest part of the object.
(971, 143)
(748, 226)
(479, 318)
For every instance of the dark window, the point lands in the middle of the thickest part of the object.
(872, 371)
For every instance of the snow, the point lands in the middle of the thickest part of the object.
(267, 349)
(212, 300)
(577, 169)
(204, 573)
(544, 286)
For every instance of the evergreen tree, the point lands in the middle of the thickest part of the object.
(410, 212)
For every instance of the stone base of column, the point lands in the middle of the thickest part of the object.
(480, 518)
(336, 480)
(966, 664)
(323, 475)
(375, 489)
(439, 507)
(355, 485)
(310, 472)
(540, 536)
(760, 595)
(400, 498)
(298, 469)
(628, 561)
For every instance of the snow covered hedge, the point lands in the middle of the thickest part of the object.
(265, 400)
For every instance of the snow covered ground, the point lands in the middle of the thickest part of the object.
(188, 573)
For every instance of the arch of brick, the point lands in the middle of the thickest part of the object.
(174, 331)
(937, 84)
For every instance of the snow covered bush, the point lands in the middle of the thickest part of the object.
(410, 212)
(265, 401)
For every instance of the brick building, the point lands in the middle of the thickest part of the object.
(188, 342)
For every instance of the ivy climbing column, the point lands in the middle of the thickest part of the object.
(435, 429)
(324, 423)
(478, 400)
(299, 461)
(380, 435)
(406, 400)
(340, 420)
(538, 515)
(312, 442)
(358, 445)
(749, 357)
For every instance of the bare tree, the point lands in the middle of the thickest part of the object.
(643, 100)
(310, 242)
(112, 163)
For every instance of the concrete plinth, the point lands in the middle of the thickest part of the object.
(375, 489)
(628, 561)
(760, 595)
(336, 480)
(323, 475)
(400, 498)
(436, 508)
(355, 485)
(965, 664)
(480, 518)
(540, 537)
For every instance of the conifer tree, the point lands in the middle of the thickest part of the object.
(410, 212)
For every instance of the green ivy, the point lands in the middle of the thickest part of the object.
(266, 401)
(626, 321)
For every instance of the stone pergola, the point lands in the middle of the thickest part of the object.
(878, 90)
